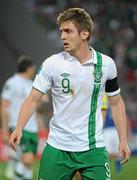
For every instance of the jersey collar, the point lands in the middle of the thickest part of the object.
(92, 60)
(94, 56)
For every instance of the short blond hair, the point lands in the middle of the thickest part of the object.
(79, 17)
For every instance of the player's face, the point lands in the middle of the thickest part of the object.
(70, 36)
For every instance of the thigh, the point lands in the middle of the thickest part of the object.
(55, 164)
(97, 165)
(97, 173)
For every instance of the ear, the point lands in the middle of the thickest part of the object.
(84, 35)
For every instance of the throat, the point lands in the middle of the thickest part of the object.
(84, 57)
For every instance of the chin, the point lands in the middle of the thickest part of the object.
(68, 50)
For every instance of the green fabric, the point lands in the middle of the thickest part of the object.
(94, 99)
(29, 142)
(62, 165)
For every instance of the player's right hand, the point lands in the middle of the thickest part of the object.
(14, 139)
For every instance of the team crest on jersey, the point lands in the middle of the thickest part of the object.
(97, 76)
(65, 74)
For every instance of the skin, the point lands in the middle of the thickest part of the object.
(76, 44)
(119, 117)
(4, 119)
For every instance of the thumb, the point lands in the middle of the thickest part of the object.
(18, 139)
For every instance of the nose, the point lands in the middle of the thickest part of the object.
(63, 36)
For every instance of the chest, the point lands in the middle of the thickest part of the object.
(72, 78)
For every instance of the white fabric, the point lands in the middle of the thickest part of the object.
(28, 173)
(111, 140)
(69, 125)
(23, 171)
(9, 173)
(19, 169)
(15, 90)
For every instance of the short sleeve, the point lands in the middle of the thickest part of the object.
(43, 80)
(112, 70)
(112, 86)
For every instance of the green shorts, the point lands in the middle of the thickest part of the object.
(29, 142)
(62, 165)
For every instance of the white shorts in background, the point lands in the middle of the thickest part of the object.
(111, 140)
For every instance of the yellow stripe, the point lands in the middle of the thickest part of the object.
(105, 103)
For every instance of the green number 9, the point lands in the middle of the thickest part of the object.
(66, 85)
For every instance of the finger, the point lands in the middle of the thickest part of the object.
(125, 158)
(124, 161)
(12, 146)
(18, 139)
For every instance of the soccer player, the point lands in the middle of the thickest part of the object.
(15, 90)
(78, 78)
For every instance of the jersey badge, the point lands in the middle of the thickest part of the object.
(97, 76)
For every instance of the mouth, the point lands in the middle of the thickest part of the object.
(65, 44)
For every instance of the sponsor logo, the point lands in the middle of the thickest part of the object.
(65, 74)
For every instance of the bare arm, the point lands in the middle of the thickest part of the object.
(119, 117)
(4, 119)
(27, 109)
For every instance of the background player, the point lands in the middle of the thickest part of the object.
(14, 92)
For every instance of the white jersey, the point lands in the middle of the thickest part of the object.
(15, 90)
(77, 99)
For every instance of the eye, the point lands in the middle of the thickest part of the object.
(60, 32)
(68, 30)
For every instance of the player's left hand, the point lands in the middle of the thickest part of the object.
(124, 152)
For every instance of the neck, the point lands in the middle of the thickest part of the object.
(24, 75)
(83, 54)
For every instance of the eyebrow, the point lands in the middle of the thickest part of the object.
(65, 29)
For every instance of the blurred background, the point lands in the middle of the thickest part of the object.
(29, 27)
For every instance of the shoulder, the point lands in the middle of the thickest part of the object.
(11, 80)
(9, 85)
(107, 59)
(109, 67)
(108, 62)
(54, 59)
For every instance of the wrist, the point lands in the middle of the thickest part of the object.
(123, 141)
(18, 128)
